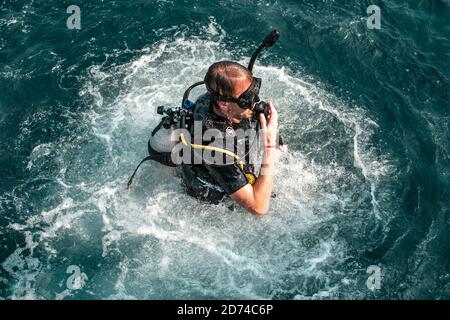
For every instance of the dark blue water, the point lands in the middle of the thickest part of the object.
(365, 181)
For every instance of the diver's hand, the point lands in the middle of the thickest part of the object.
(256, 198)
(270, 127)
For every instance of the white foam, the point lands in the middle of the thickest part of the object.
(23, 268)
(39, 152)
(207, 249)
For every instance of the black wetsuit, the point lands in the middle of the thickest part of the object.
(208, 181)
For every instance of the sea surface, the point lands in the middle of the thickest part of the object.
(363, 191)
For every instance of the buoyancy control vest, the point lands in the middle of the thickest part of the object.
(199, 179)
(196, 177)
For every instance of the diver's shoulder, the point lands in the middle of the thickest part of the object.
(202, 107)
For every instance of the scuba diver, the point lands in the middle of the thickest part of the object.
(222, 160)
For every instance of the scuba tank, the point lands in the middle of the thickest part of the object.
(164, 136)
(163, 140)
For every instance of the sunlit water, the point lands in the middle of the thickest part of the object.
(350, 187)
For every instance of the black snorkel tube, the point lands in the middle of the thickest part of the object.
(269, 41)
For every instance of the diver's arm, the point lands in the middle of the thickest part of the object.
(255, 198)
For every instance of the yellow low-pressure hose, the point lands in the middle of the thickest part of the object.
(199, 146)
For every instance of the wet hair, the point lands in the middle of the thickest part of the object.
(222, 77)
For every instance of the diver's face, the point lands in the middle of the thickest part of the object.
(231, 109)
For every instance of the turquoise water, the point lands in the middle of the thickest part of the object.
(364, 182)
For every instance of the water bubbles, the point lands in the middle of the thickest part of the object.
(38, 153)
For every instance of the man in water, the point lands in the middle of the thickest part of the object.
(226, 82)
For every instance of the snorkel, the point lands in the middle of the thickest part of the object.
(268, 42)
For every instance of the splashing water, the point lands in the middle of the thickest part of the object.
(157, 242)
(337, 208)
